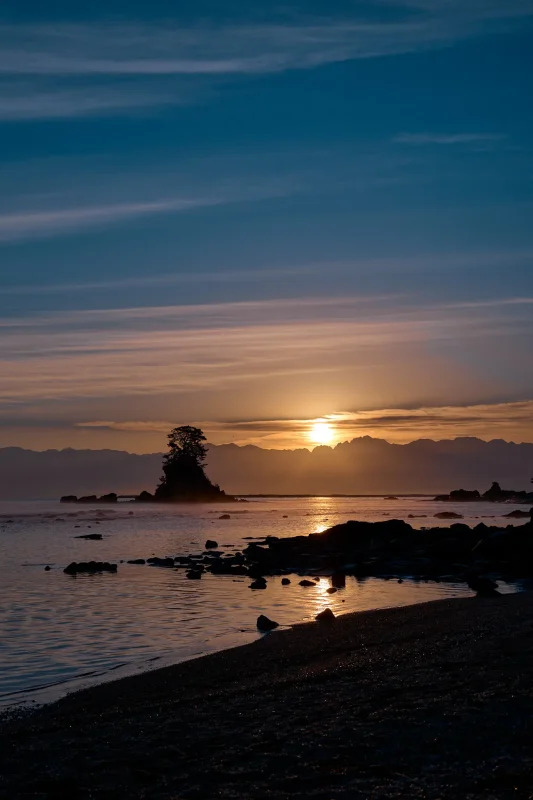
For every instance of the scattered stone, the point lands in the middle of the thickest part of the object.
(518, 514)
(47, 568)
(285, 581)
(160, 562)
(211, 544)
(338, 580)
(193, 575)
(305, 582)
(137, 561)
(326, 616)
(484, 587)
(93, 536)
(448, 515)
(265, 624)
(259, 583)
(332, 590)
(89, 566)
(225, 516)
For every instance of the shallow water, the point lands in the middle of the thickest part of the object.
(58, 632)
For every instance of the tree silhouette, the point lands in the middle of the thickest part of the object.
(183, 476)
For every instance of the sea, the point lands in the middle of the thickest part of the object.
(59, 633)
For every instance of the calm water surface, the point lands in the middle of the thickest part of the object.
(59, 632)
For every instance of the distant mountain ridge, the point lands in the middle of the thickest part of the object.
(362, 466)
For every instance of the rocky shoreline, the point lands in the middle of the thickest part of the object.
(389, 549)
(429, 701)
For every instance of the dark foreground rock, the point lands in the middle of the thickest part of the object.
(266, 624)
(431, 702)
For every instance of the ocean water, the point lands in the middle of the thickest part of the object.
(59, 632)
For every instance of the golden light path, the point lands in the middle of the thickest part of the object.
(321, 433)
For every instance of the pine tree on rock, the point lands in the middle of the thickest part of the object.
(184, 477)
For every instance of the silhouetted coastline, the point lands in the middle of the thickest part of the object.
(493, 495)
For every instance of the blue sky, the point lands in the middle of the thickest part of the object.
(250, 216)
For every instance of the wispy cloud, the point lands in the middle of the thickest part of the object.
(181, 349)
(484, 420)
(447, 138)
(37, 224)
(24, 102)
(200, 52)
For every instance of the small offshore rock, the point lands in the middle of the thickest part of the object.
(93, 536)
(285, 581)
(89, 566)
(211, 544)
(448, 515)
(338, 580)
(193, 575)
(332, 590)
(326, 616)
(259, 583)
(225, 516)
(305, 582)
(137, 561)
(266, 624)
(47, 568)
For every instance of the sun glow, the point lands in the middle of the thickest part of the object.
(321, 433)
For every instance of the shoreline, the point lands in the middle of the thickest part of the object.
(429, 700)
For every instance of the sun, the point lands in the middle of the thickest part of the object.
(321, 433)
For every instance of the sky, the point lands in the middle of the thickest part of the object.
(253, 216)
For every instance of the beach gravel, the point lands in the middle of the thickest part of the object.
(429, 701)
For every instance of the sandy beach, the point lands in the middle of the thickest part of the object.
(429, 701)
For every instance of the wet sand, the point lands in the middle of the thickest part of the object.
(427, 701)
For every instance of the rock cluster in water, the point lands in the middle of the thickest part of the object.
(493, 495)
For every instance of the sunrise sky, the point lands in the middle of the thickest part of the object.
(255, 216)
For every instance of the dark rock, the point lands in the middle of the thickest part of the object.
(193, 575)
(225, 516)
(144, 497)
(108, 498)
(325, 616)
(69, 498)
(484, 587)
(260, 583)
(265, 624)
(89, 566)
(47, 569)
(518, 514)
(338, 580)
(93, 536)
(89, 498)
(305, 582)
(448, 515)
(285, 581)
(332, 590)
(210, 544)
(160, 562)
(137, 561)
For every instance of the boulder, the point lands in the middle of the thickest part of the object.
(305, 582)
(69, 498)
(338, 580)
(193, 575)
(259, 583)
(160, 562)
(225, 516)
(484, 587)
(332, 590)
(326, 616)
(47, 568)
(285, 581)
(89, 566)
(137, 561)
(144, 497)
(448, 515)
(211, 544)
(518, 514)
(93, 536)
(265, 624)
